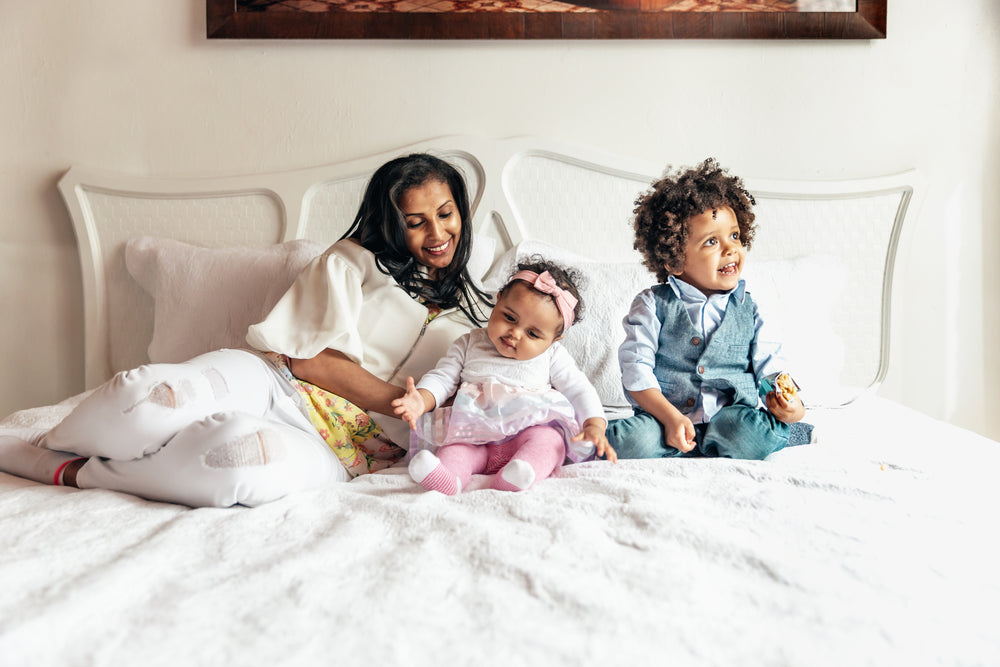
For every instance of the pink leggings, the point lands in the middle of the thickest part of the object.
(542, 447)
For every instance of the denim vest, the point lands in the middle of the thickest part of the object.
(684, 362)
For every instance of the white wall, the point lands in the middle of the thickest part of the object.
(133, 86)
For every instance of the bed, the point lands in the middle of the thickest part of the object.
(871, 546)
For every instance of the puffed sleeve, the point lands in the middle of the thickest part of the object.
(320, 310)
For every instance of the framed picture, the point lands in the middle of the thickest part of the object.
(546, 19)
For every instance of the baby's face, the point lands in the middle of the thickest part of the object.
(714, 255)
(524, 323)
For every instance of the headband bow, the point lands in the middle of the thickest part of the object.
(545, 283)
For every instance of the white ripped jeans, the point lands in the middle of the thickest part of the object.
(224, 428)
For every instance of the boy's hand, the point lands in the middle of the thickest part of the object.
(594, 431)
(410, 405)
(786, 410)
(678, 431)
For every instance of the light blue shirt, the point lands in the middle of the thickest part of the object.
(642, 332)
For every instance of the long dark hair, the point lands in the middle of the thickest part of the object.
(380, 227)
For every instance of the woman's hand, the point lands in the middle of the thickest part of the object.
(787, 410)
(594, 431)
(413, 403)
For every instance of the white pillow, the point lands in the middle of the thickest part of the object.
(608, 290)
(797, 297)
(481, 256)
(205, 298)
(784, 290)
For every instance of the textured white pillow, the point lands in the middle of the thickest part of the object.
(796, 297)
(793, 295)
(205, 298)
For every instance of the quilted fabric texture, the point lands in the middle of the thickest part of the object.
(207, 297)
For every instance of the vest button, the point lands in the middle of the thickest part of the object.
(690, 402)
(696, 341)
(701, 370)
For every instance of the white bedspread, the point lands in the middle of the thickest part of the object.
(876, 546)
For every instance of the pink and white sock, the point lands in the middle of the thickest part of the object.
(428, 471)
(540, 450)
(499, 454)
(517, 475)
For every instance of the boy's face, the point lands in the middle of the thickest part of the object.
(714, 255)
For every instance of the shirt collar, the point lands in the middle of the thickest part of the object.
(691, 294)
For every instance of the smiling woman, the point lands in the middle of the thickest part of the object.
(309, 404)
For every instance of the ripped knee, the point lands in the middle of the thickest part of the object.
(175, 394)
(253, 449)
(166, 395)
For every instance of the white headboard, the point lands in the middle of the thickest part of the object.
(520, 188)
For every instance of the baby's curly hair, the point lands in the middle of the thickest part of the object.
(566, 278)
(662, 212)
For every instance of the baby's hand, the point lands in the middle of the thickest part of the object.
(785, 409)
(410, 405)
(679, 433)
(594, 431)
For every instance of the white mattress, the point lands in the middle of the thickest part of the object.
(875, 546)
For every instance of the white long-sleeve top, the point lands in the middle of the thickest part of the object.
(473, 358)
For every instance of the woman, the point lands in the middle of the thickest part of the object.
(309, 405)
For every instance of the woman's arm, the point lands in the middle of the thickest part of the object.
(333, 371)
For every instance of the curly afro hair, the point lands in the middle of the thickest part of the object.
(662, 212)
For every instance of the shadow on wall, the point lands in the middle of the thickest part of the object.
(991, 270)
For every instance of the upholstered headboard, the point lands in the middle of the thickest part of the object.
(822, 260)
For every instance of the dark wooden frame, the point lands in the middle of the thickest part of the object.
(868, 22)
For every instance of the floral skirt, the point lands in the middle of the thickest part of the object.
(357, 441)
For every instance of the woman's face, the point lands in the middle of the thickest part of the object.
(433, 224)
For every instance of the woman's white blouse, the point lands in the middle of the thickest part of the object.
(342, 301)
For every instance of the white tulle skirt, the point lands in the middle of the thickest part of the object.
(488, 412)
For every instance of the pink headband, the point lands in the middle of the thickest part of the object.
(545, 283)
